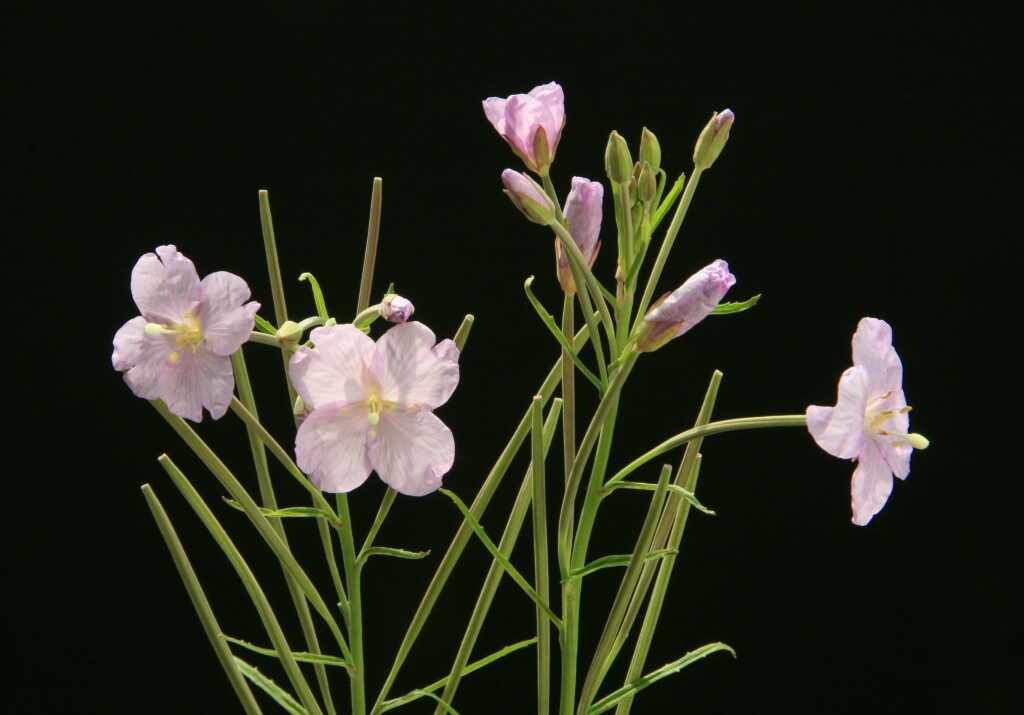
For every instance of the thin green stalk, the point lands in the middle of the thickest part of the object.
(568, 395)
(576, 261)
(672, 506)
(465, 532)
(200, 603)
(259, 458)
(742, 423)
(494, 575)
(370, 256)
(258, 520)
(666, 245)
(549, 189)
(252, 587)
(540, 559)
(382, 512)
(276, 282)
(600, 663)
(355, 607)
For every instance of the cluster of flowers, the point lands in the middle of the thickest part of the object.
(371, 402)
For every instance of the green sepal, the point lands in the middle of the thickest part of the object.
(291, 511)
(397, 553)
(299, 656)
(727, 308)
(549, 322)
(616, 560)
(318, 296)
(674, 488)
(278, 694)
(264, 326)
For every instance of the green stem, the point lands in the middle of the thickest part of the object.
(382, 512)
(540, 559)
(494, 575)
(742, 423)
(252, 587)
(465, 532)
(276, 283)
(579, 268)
(259, 458)
(549, 189)
(568, 396)
(666, 245)
(355, 609)
(370, 256)
(201, 604)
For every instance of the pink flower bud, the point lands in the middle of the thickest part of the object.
(712, 139)
(528, 197)
(530, 123)
(583, 219)
(686, 306)
(396, 309)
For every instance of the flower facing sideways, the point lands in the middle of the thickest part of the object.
(583, 218)
(869, 422)
(371, 407)
(179, 349)
(675, 313)
(530, 123)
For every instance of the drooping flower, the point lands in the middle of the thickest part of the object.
(528, 197)
(687, 305)
(179, 349)
(713, 138)
(371, 407)
(583, 221)
(869, 422)
(530, 123)
(396, 309)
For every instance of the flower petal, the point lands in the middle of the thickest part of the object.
(224, 321)
(165, 285)
(839, 430)
(871, 486)
(330, 447)
(873, 350)
(413, 371)
(196, 380)
(411, 451)
(143, 356)
(336, 371)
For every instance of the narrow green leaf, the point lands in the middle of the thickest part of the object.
(727, 308)
(616, 560)
(674, 488)
(268, 686)
(496, 553)
(318, 296)
(665, 206)
(265, 326)
(299, 656)
(291, 511)
(549, 323)
(608, 702)
(397, 553)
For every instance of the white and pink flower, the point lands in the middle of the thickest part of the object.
(179, 349)
(869, 422)
(530, 123)
(371, 407)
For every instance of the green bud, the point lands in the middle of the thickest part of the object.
(712, 140)
(647, 183)
(617, 161)
(290, 333)
(650, 149)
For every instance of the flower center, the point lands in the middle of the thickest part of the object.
(877, 419)
(186, 334)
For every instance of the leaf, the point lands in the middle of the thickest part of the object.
(301, 657)
(268, 686)
(674, 488)
(318, 296)
(616, 560)
(609, 701)
(290, 511)
(727, 308)
(549, 322)
(397, 553)
(264, 326)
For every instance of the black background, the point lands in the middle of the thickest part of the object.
(868, 173)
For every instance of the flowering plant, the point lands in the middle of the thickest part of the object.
(364, 404)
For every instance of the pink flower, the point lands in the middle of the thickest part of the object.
(396, 309)
(179, 349)
(869, 422)
(686, 306)
(583, 221)
(372, 407)
(713, 138)
(530, 123)
(528, 197)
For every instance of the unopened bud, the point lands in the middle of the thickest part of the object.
(528, 197)
(617, 161)
(712, 140)
(686, 306)
(396, 309)
(290, 333)
(647, 184)
(650, 149)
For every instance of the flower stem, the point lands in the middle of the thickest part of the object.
(370, 256)
(276, 283)
(355, 608)
(540, 558)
